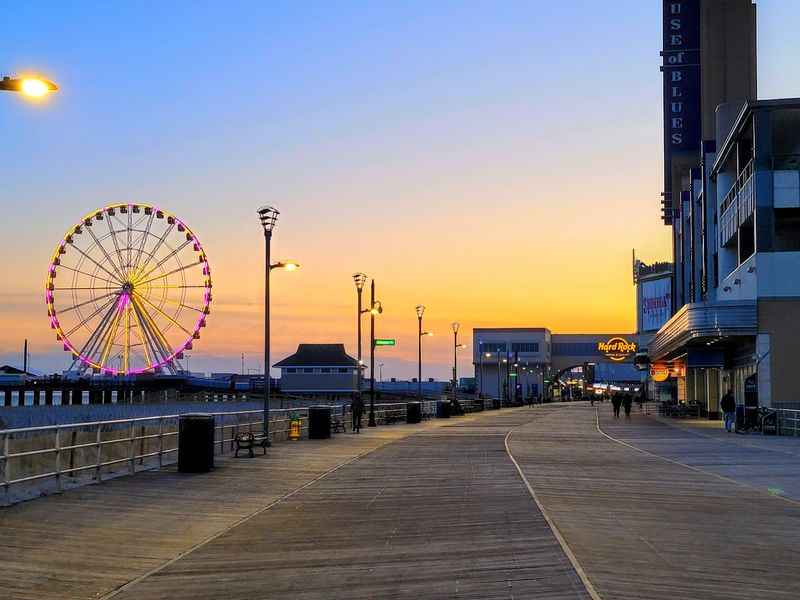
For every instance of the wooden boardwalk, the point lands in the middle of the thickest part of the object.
(429, 511)
(89, 541)
(646, 528)
(440, 514)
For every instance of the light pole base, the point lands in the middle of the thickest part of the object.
(371, 422)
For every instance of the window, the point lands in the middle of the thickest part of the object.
(344, 370)
(493, 347)
(308, 370)
(525, 347)
(325, 370)
(575, 349)
(291, 370)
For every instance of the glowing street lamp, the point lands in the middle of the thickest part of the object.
(420, 311)
(376, 308)
(456, 347)
(268, 215)
(359, 279)
(32, 87)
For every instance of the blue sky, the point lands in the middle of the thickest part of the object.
(455, 150)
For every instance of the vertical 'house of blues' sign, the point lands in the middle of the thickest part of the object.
(681, 69)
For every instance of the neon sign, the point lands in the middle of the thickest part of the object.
(617, 348)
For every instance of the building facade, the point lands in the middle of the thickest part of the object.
(319, 369)
(732, 199)
(520, 362)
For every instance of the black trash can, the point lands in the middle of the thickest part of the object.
(319, 422)
(442, 410)
(414, 412)
(195, 443)
(496, 403)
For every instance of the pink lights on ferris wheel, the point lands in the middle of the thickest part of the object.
(132, 276)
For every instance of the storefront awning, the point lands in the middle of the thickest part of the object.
(703, 321)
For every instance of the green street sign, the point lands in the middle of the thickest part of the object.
(384, 342)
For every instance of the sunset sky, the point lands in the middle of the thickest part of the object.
(495, 161)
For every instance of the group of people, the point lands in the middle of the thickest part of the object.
(619, 401)
(624, 401)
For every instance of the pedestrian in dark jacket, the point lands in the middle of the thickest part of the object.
(616, 402)
(357, 407)
(728, 406)
(627, 402)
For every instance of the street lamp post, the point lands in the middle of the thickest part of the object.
(480, 369)
(499, 386)
(375, 309)
(420, 310)
(456, 346)
(268, 215)
(508, 375)
(359, 279)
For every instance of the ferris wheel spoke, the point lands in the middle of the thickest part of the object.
(113, 275)
(159, 339)
(165, 315)
(87, 274)
(174, 287)
(145, 233)
(105, 253)
(183, 305)
(111, 335)
(141, 335)
(167, 257)
(90, 347)
(130, 239)
(80, 304)
(127, 347)
(168, 273)
(63, 289)
(116, 246)
(158, 245)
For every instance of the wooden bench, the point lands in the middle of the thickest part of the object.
(248, 441)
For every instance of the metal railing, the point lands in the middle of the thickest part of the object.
(788, 421)
(105, 444)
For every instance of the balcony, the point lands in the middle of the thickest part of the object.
(737, 206)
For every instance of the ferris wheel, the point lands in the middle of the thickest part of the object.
(128, 290)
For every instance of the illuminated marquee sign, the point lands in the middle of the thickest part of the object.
(659, 372)
(681, 69)
(617, 348)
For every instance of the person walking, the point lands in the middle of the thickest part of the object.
(616, 402)
(728, 406)
(627, 402)
(357, 408)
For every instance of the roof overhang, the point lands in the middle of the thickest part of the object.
(703, 322)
